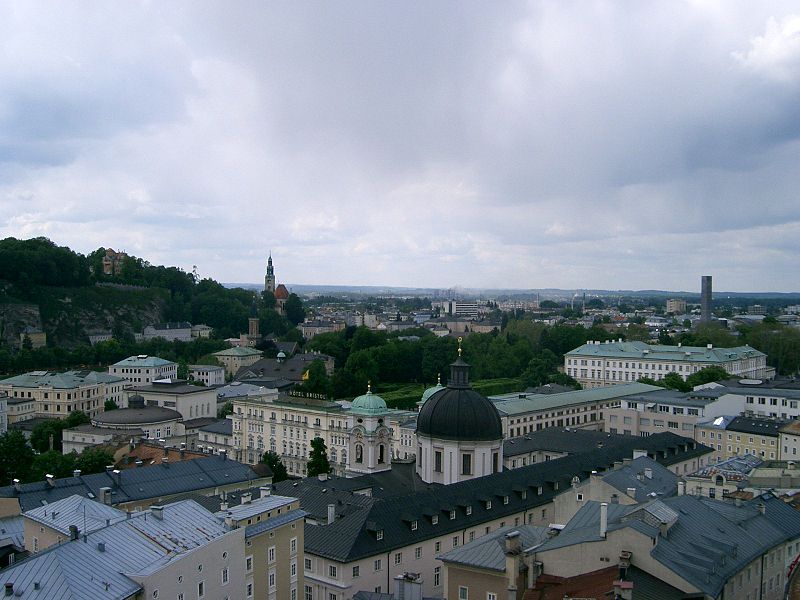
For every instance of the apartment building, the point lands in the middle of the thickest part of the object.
(235, 358)
(676, 306)
(597, 364)
(522, 412)
(143, 369)
(660, 410)
(191, 401)
(732, 436)
(179, 550)
(286, 424)
(55, 395)
(363, 532)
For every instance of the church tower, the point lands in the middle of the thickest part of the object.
(269, 280)
(370, 441)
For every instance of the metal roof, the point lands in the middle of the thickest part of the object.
(88, 515)
(143, 361)
(61, 381)
(257, 506)
(488, 551)
(656, 352)
(521, 402)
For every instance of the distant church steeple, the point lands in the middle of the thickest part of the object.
(269, 280)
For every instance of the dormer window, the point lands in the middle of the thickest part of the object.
(452, 515)
(524, 494)
(505, 499)
(539, 490)
(413, 525)
(435, 520)
(488, 505)
(468, 510)
(379, 534)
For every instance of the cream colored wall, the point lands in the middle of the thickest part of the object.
(479, 583)
(39, 536)
(279, 538)
(345, 585)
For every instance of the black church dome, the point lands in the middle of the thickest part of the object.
(458, 412)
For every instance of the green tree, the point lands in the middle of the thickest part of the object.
(93, 460)
(225, 410)
(16, 457)
(674, 381)
(274, 462)
(317, 381)
(52, 463)
(46, 436)
(638, 333)
(595, 303)
(110, 405)
(318, 458)
(707, 375)
(651, 381)
(548, 304)
(75, 418)
(294, 309)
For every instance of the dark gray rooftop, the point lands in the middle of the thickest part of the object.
(219, 426)
(136, 416)
(131, 485)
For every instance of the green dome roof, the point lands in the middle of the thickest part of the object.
(369, 404)
(431, 391)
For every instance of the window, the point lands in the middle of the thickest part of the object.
(437, 461)
(418, 552)
(413, 525)
(293, 545)
(307, 564)
(356, 571)
(249, 590)
(463, 592)
(437, 546)
(331, 596)
(434, 519)
(247, 561)
(224, 576)
(398, 558)
(271, 554)
(377, 565)
(332, 571)
(379, 535)
(437, 575)
(309, 593)
(468, 510)
(201, 589)
(491, 596)
(455, 541)
(466, 464)
(452, 515)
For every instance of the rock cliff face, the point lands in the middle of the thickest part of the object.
(14, 318)
(69, 315)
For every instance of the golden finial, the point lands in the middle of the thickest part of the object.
(369, 386)
(460, 339)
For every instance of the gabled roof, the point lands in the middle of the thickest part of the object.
(488, 551)
(88, 515)
(136, 484)
(353, 536)
(660, 483)
(85, 570)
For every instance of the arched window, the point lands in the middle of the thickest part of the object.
(333, 454)
(359, 453)
(344, 456)
(720, 480)
(381, 454)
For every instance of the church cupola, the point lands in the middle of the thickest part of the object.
(369, 437)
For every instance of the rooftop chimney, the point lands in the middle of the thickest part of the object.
(623, 589)
(73, 532)
(165, 461)
(105, 495)
(101, 546)
(407, 586)
(631, 491)
(762, 508)
(9, 589)
(76, 473)
(603, 519)
(331, 513)
(648, 472)
(17, 485)
(322, 476)
(265, 490)
(246, 497)
(639, 454)
(681, 488)
(157, 512)
(51, 480)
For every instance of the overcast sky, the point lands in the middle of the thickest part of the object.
(562, 144)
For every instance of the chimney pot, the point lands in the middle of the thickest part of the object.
(76, 473)
(73, 532)
(9, 589)
(681, 488)
(157, 512)
(101, 546)
(603, 519)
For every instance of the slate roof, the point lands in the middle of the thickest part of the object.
(136, 484)
(758, 426)
(220, 427)
(136, 416)
(257, 506)
(709, 541)
(240, 388)
(79, 570)
(576, 441)
(488, 551)
(735, 468)
(291, 368)
(176, 386)
(353, 535)
(661, 483)
(238, 351)
(274, 522)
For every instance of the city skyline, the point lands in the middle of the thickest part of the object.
(522, 145)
